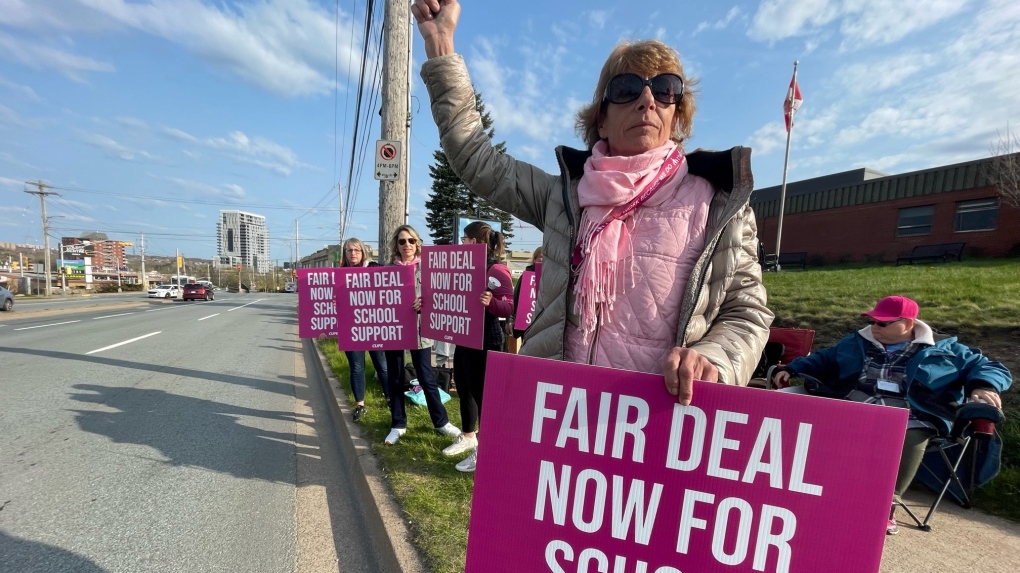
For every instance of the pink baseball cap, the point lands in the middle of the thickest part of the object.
(892, 308)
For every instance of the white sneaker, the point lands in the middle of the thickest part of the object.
(449, 430)
(468, 464)
(460, 445)
(394, 435)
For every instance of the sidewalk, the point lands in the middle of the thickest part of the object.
(961, 540)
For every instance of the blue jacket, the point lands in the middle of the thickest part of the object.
(939, 376)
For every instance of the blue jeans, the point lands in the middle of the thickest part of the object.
(356, 361)
(422, 361)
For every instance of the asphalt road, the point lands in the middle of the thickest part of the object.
(176, 436)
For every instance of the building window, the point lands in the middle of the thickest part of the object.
(977, 215)
(915, 220)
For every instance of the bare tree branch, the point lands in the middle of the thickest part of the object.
(1004, 171)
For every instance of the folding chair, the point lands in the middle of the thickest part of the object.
(783, 346)
(963, 461)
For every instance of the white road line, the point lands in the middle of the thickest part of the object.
(112, 315)
(210, 316)
(123, 343)
(244, 305)
(45, 325)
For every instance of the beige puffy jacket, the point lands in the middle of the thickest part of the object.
(723, 314)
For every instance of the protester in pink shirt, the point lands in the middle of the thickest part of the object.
(469, 363)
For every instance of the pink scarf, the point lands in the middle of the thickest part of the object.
(609, 182)
(413, 261)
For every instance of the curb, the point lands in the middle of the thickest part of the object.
(384, 518)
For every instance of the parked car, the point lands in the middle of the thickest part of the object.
(165, 291)
(196, 291)
(6, 299)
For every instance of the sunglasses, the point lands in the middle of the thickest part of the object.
(408, 241)
(883, 323)
(667, 89)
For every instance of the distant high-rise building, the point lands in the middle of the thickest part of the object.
(242, 238)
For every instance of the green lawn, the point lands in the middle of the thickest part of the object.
(975, 299)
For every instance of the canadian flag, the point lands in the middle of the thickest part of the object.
(792, 102)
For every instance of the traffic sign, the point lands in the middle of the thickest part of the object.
(387, 160)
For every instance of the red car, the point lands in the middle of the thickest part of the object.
(197, 291)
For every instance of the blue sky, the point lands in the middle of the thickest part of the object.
(152, 115)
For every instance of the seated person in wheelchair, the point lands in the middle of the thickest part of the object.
(897, 360)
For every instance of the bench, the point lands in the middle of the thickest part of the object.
(792, 259)
(942, 252)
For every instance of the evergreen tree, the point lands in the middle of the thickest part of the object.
(450, 197)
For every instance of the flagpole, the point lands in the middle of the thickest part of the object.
(786, 164)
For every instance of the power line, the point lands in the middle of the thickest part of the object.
(237, 206)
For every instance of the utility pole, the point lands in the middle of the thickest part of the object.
(340, 194)
(407, 129)
(42, 193)
(145, 279)
(396, 37)
(63, 273)
(297, 242)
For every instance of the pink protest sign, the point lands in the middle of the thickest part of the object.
(316, 303)
(452, 283)
(596, 469)
(375, 308)
(526, 303)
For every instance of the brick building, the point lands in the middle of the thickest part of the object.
(865, 215)
(106, 255)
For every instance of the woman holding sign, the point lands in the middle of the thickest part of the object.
(536, 259)
(354, 256)
(649, 251)
(405, 248)
(469, 363)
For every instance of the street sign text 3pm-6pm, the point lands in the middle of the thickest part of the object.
(387, 160)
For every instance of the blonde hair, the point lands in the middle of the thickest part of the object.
(394, 251)
(536, 254)
(646, 58)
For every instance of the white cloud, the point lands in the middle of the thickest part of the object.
(114, 149)
(518, 98)
(257, 151)
(7, 157)
(9, 117)
(779, 19)
(939, 106)
(719, 24)
(283, 46)
(179, 134)
(8, 182)
(39, 56)
(132, 122)
(597, 18)
(872, 22)
(226, 190)
(26, 92)
(238, 146)
(891, 72)
(768, 138)
(861, 22)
